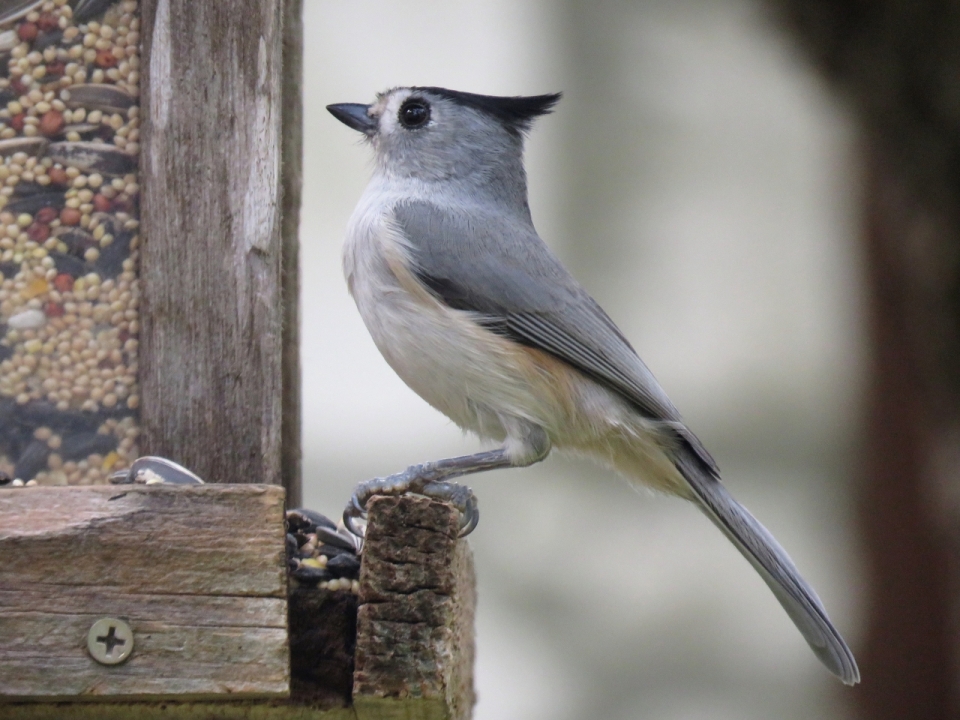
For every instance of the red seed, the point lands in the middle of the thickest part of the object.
(52, 309)
(101, 203)
(58, 176)
(16, 122)
(51, 123)
(56, 68)
(18, 86)
(63, 282)
(105, 59)
(38, 232)
(69, 216)
(47, 22)
(27, 31)
(46, 215)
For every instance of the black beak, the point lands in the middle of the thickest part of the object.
(354, 115)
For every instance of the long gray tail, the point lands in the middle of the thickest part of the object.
(775, 567)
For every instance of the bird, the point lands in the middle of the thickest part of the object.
(480, 318)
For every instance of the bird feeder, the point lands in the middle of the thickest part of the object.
(149, 200)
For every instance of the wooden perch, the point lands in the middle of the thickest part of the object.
(415, 648)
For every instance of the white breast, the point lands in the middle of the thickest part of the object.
(480, 380)
(443, 356)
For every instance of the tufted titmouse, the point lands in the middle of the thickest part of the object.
(474, 312)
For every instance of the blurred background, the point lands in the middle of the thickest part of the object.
(705, 177)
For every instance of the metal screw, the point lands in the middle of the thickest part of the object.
(110, 641)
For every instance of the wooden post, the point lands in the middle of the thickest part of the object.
(213, 371)
(415, 649)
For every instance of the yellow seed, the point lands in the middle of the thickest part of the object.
(110, 460)
(311, 562)
(37, 286)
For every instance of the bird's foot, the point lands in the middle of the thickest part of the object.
(425, 479)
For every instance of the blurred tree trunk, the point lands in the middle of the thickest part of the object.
(899, 65)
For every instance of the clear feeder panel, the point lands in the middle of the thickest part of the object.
(69, 209)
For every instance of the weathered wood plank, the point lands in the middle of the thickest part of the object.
(258, 710)
(212, 312)
(144, 540)
(292, 174)
(415, 647)
(197, 572)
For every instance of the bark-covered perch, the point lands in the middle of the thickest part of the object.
(415, 646)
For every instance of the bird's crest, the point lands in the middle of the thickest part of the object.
(516, 112)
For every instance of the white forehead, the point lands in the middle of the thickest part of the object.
(388, 105)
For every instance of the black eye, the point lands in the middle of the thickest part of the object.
(414, 114)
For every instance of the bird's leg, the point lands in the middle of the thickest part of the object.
(430, 479)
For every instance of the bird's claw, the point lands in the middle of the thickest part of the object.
(416, 479)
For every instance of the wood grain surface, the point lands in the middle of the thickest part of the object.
(213, 305)
(292, 180)
(197, 572)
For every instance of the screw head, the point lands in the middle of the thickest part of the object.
(110, 641)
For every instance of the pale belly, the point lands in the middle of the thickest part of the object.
(467, 372)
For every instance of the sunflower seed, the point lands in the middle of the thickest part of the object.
(108, 98)
(93, 157)
(30, 204)
(36, 146)
(332, 537)
(344, 566)
(32, 460)
(11, 10)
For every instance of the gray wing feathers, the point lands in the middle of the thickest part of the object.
(498, 266)
(776, 568)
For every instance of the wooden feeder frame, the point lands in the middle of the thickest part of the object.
(194, 567)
